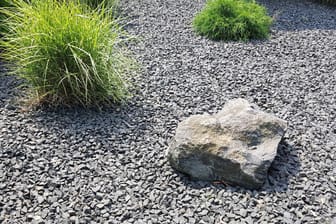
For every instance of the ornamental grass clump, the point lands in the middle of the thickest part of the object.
(106, 5)
(233, 20)
(67, 53)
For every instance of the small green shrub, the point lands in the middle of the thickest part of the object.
(232, 20)
(67, 53)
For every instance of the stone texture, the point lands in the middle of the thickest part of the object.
(70, 153)
(236, 145)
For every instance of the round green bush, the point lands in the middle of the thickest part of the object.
(232, 20)
(67, 53)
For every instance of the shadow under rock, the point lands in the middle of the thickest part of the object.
(297, 15)
(285, 165)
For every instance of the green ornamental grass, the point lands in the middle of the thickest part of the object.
(107, 4)
(3, 3)
(233, 20)
(68, 54)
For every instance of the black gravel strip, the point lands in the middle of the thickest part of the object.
(76, 166)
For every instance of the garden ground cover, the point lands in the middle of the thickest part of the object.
(97, 166)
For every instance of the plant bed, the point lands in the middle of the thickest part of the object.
(232, 20)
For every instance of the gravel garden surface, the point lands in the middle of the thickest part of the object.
(84, 166)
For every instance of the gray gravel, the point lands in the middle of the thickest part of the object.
(75, 166)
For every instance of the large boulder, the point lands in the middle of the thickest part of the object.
(236, 145)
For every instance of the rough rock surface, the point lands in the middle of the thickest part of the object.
(236, 145)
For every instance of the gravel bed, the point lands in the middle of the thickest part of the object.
(76, 166)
